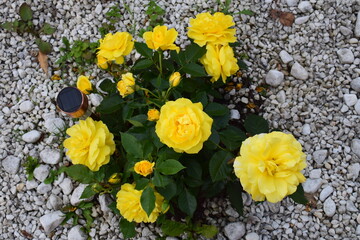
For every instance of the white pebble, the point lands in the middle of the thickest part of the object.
(299, 72)
(345, 55)
(274, 78)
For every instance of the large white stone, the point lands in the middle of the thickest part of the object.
(345, 55)
(320, 155)
(292, 3)
(234, 114)
(285, 57)
(350, 99)
(51, 220)
(43, 188)
(354, 170)
(26, 106)
(315, 173)
(357, 107)
(357, 25)
(329, 207)
(235, 231)
(274, 78)
(50, 156)
(66, 186)
(299, 72)
(95, 99)
(41, 172)
(252, 236)
(306, 129)
(301, 20)
(326, 192)
(355, 146)
(75, 196)
(305, 6)
(32, 136)
(76, 233)
(355, 84)
(104, 201)
(54, 125)
(11, 164)
(312, 185)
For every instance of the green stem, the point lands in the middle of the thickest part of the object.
(160, 61)
(147, 90)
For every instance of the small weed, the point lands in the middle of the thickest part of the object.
(30, 165)
(26, 25)
(70, 213)
(112, 16)
(155, 14)
(82, 53)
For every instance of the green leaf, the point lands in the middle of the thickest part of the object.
(187, 202)
(110, 104)
(202, 97)
(7, 26)
(25, 12)
(88, 192)
(159, 180)
(234, 191)
(113, 207)
(246, 12)
(216, 109)
(131, 145)
(255, 124)
(193, 52)
(148, 200)
(135, 123)
(170, 167)
(169, 191)
(221, 121)
(194, 69)
(47, 29)
(194, 173)
(44, 47)
(232, 137)
(208, 231)
(127, 228)
(298, 196)
(141, 183)
(108, 86)
(143, 63)
(143, 49)
(80, 173)
(218, 167)
(173, 229)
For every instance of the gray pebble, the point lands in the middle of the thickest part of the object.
(285, 57)
(235, 231)
(312, 185)
(350, 99)
(41, 172)
(26, 106)
(355, 84)
(305, 6)
(326, 192)
(51, 220)
(355, 146)
(329, 207)
(274, 78)
(320, 155)
(11, 164)
(50, 156)
(299, 72)
(345, 55)
(32, 136)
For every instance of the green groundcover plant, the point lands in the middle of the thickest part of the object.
(160, 142)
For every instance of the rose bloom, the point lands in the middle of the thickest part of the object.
(113, 47)
(129, 205)
(219, 61)
(214, 29)
(183, 125)
(153, 115)
(161, 38)
(174, 79)
(83, 84)
(102, 62)
(126, 85)
(90, 144)
(269, 166)
(144, 167)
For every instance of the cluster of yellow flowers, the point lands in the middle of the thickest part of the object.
(214, 31)
(269, 166)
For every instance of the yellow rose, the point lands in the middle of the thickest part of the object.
(83, 84)
(153, 115)
(183, 125)
(102, 62)
(126, 85)
(174, 79)
(114, 47)
(90, 144)
(214, 29)
(161, 38)
(219, 61)
(269, 166)
(129, 205)
(144, 167)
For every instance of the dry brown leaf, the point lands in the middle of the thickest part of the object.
(285, 18)
(26, 234)
(43, 61)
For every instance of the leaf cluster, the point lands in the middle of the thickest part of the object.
(26, 25)
(81, 53)
(30, 164)
(112, 16)
(155, 14)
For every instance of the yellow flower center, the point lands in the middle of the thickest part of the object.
(269, 166)
(184, 125)
(159, 37)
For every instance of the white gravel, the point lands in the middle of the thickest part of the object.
(320, 72)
